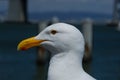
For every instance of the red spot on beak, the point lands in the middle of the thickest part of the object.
(23, 49)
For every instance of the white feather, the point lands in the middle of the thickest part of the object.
(67, 49)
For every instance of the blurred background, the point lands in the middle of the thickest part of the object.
(98, 20)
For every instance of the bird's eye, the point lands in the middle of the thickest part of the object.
(53, 32)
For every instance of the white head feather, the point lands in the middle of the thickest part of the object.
(66, 44)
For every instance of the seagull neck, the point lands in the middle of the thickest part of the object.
(64, 64)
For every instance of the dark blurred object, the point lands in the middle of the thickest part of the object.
(17, 11)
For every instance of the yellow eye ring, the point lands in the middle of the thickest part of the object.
(53, 32)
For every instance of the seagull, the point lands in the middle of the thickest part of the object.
(66, 45)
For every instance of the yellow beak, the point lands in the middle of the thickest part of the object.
(28, 43)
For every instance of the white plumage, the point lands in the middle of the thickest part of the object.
(67, 48)
(66, 44)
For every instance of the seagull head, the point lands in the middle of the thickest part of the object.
(56, 38)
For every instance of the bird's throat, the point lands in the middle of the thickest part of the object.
(63, 65)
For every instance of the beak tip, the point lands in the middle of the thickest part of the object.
(18, 49)
(21, 49)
